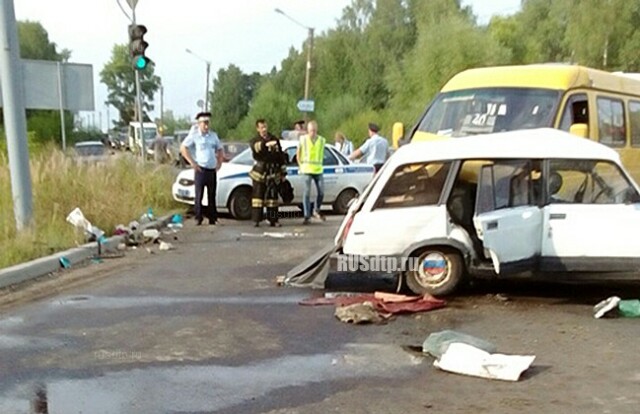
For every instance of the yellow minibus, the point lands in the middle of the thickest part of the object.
(594, 104)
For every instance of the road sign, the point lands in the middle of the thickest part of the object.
(306, 105)
(50, 85)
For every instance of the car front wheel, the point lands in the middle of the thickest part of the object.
(435, 270)
(341, 205)
(240, 203)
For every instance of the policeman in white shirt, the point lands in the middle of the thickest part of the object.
(375, 149)
(203, 151)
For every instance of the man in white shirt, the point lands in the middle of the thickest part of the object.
(203, 151)
(374, 150)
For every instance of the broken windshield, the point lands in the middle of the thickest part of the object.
(483, 111)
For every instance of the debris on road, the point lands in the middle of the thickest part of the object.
(360, 313)
(273, 234)
(465, 359)
(385, 304)
(603, 308)
(164, 246)
(629, 308)
(65, 263)
(77, 218)
(437, 343)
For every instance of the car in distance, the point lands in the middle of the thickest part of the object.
(343, 181)
(90, 152)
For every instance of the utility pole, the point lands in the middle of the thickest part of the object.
(15, 119)
(307, 73)
(162, 107)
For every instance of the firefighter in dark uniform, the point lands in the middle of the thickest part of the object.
(269, 170)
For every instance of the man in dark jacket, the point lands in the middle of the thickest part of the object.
(268, 171)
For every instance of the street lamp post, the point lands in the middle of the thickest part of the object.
(206, 90)
(307, 73)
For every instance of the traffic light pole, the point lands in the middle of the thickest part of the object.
(139, 101)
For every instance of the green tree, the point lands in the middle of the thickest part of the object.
(232, 93)
(119, 77)
(171, 124)
(35, 44)
(448, 41)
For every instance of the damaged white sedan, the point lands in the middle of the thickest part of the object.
(539, 203)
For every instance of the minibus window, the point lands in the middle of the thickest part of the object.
(576, 111)
(611, 126)
(634, 119)
(487, 110)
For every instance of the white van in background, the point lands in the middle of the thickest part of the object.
(149, 131)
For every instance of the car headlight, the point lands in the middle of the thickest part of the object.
(186, 182)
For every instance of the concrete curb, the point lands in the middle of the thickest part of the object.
(50, 264)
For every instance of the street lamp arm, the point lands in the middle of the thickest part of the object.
(292, 19)
(189, 51)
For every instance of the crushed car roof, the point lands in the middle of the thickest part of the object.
(529, 143)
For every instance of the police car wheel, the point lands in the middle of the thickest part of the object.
(341, 205)
(437, 271)
(240, 203)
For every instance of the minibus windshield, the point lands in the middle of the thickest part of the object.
(487, 110)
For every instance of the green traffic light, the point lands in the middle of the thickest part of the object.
(141, 62)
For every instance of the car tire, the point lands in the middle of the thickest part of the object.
(240, 203)
(443, 279)
(341, 205)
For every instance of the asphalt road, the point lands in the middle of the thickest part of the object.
(204, 328)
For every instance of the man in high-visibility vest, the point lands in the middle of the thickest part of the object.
(310, 155)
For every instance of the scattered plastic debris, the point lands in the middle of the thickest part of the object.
(273, 234)
(602, 308)
(65, 263)
(614, 306)
(166, 246)
(461, 358)
(78, 219)
(437, 343)
(151, 235)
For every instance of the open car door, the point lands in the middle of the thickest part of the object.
(508, 219)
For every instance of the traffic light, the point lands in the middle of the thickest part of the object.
(137, 46)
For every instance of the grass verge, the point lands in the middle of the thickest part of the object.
(108, 194)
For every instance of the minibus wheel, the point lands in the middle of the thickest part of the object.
(437, 271)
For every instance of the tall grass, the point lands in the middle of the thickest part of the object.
(109, 194)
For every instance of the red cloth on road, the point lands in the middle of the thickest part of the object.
(396, 304)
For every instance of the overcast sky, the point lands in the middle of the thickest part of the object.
(247, 33)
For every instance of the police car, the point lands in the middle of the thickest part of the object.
(343, 181)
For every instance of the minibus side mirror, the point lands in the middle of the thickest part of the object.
(581, 130)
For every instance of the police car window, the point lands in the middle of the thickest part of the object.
(413, 185)
(342, 158)
(329, 158)
(244, 158)
(291, 153)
